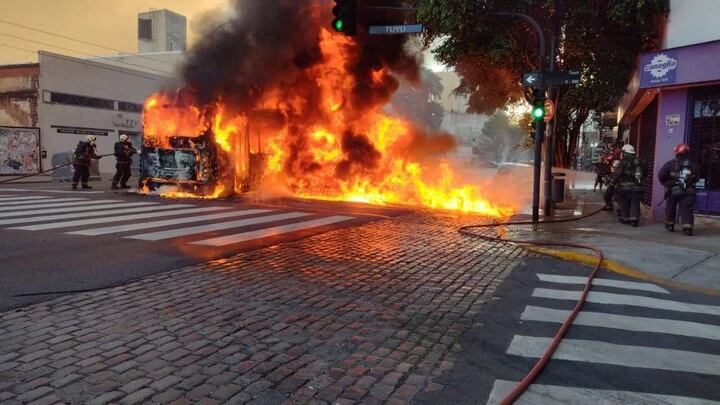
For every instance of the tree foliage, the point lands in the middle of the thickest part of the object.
(600, 38)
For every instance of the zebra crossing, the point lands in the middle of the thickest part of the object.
(634, 342)
(154, 220)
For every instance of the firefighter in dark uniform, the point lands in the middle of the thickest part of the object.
(628, 178)
(679, 177)
(611, 186)
(84, 153)
(123, 153)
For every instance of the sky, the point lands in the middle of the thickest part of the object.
(108, 23)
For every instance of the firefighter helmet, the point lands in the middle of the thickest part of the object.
(123, 137)
(90, 139)
(681, 148)
(629, 149)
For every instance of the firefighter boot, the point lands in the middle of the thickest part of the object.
(607, 207)
(74, 186)
(688, 231)
(635, 223)
(670, 227)
(86, 187)
(114, 186)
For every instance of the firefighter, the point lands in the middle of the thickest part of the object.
(679, 177)
(84, 153)
(124, 151)
(611, 186)
(628, 179)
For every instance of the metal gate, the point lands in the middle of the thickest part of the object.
(646, 154)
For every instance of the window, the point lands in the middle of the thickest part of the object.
(81, 101)
(145, 29)
(129, 107)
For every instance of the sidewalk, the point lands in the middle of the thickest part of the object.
(648, 249)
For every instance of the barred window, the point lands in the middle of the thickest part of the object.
(81, 101)
(129, 107)
(144, 29)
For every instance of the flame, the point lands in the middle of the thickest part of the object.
(340, 152)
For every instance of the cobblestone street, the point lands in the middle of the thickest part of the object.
(369, 314)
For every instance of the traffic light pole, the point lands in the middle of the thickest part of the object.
(539, 123)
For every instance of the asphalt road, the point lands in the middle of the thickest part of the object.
(44, 257)
(633, 342)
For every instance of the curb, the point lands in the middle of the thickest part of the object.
(616, 267)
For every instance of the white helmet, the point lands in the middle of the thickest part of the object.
(90, 138)
(123, 137)
(629, 149)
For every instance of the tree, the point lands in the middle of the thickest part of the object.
(415, 100)
(600, 38)
(502, 139)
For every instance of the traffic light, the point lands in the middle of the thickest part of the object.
(345, 21)
(538, 107)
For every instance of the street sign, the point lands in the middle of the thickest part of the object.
(562, 78)
(395, 29)
(549, 110)
(532, 79)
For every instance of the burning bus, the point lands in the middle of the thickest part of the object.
(282, 101)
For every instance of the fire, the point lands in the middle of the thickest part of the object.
(329, 146)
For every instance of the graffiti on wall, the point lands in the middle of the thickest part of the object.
(19, 150)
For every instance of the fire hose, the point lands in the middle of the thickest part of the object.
(550, 350)
(44, 171)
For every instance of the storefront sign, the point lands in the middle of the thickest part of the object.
(82, 131)
(672, 119)
(659, 68)
(122, 121)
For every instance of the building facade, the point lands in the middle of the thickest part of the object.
(47, 107)
(162, 31)
(674, 98)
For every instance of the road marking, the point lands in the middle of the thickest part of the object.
(121, 218)
(631, 285)
(631, 300)
(160, 224)
(619, 355)
(54, 204)
(48, 218)
(555, 394)
(52, 191)
(264, 233)
(624, 322)
(7, 199)
(75, 209)
(174, 233)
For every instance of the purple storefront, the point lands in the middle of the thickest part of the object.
(678, 100)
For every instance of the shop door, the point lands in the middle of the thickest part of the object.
(704, 139)
(646, 150)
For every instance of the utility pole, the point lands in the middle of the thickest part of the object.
(539, 123)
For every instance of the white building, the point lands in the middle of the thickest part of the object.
(67, 99)
(161, 31)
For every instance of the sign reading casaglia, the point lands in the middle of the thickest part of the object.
(658, 68)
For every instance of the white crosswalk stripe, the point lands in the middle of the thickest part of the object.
(624, 322)
(267, 232)
(169, 222)
(170, 212)
(686, 353)
(89, 214)
(555, 394)
(631, 285)
(8, 199)
(55, 204)
(85, 217)
(75, 209)
(631, 300)
(593, 351)
(179, 232)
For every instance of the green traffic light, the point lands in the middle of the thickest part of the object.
(538, 112)
(339, 25)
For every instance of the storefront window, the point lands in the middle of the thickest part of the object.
(704, 141)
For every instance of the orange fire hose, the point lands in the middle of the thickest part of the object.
(547, 355)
